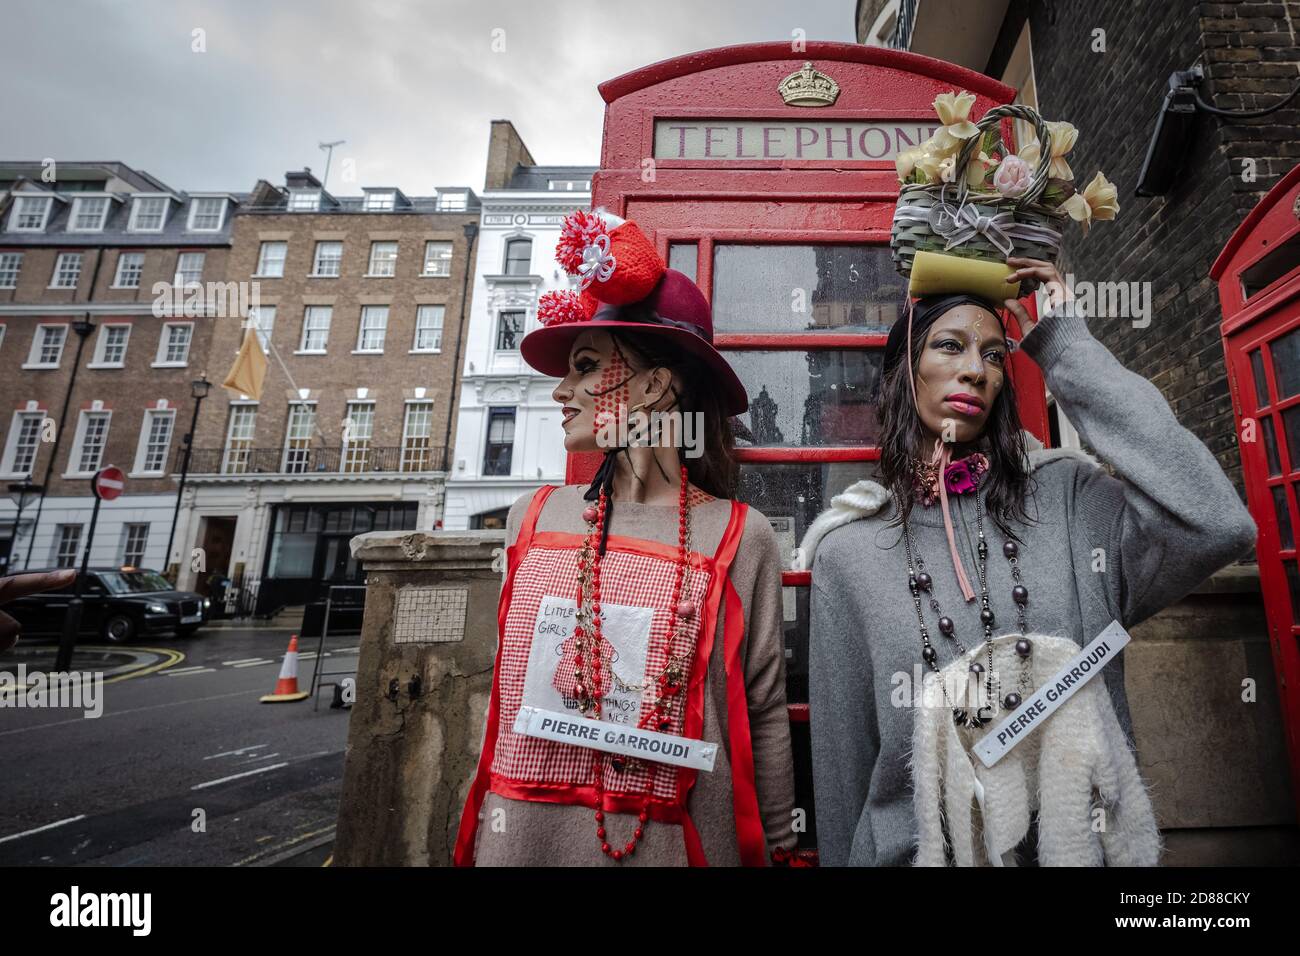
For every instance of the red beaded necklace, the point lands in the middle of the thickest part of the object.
(668, 682)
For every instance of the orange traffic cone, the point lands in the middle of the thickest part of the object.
(286, 688)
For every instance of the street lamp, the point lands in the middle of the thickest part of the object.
(18, 492)
(199, 391)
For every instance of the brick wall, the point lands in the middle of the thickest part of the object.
(1249, 51)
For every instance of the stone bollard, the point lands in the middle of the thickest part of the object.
(424, 678)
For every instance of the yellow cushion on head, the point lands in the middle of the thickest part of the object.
(935, 273)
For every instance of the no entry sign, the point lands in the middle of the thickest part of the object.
(109, 483)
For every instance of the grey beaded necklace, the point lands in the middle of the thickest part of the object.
(918, 580)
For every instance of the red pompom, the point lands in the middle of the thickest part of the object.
(579, 230)
(556, 308)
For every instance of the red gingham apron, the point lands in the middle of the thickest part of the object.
(639, 573)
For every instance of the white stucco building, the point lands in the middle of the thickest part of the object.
(508, 435)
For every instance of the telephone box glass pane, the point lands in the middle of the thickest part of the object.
(792, 494)
(1283, 517)
(805, 288)
(683, 257)
(1286, 364)
(1261, 385)
(1270, 446)
(1291, 425)
(1293, 585)
(818, 397)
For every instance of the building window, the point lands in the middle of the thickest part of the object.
(374, 326)
(417, 434)
(304, 200)
(428, 328)
(10, 264)
(67, 271)
(148, 213)
(110, 347)
(380, 202)
(88, 214)
(155, 441)
(30, 213)
(189, 268)
(130, 266)
(135, 538)
(239, 440)
(519, 257)
(453, 202)
(383, 259)
(316, 327)
(24, 440)
(263, 320)
(88, 453)
(569, 185)
(270, 259)
(437, 259)
(500, 441)
(207, 214)
(297, 437)
(509, 331)
(67, 542)
(47, 346)
(358, 428)
(329, 256)
(174, 345)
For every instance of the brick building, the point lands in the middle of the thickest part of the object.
(507, 437)
(1218, 767)
(97, 356)
(360, 304)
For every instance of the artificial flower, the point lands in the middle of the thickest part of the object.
(954, 113)
(1012, 176)
(1099, 200)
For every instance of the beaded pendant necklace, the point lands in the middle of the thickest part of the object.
(668, 683)
(919, 581)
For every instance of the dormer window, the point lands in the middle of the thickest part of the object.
(569, 185)
(304, 200)
(148, 214)
(30, 213)
(207, 214)
(88, 214)
(380, 202)
(452, 202)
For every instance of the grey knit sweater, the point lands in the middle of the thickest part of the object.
(1152, 534)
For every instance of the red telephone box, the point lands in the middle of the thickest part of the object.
(1258, 273)
(767, 174)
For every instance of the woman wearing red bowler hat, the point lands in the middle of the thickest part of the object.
(638, 711)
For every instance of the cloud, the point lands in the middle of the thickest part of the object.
(411, 86)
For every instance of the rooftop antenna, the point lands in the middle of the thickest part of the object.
(329, 154)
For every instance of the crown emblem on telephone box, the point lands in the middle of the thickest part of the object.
(808, 87)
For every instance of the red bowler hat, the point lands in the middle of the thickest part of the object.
(618, 266)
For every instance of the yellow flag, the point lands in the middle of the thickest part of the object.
(249, 371)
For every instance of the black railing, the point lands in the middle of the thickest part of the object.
(314, 460)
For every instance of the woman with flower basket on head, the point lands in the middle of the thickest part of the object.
(987, 561)
(638, 711)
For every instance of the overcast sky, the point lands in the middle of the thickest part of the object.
(410, 85)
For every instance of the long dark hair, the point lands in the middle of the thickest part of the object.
(902, 441)
(715, 471)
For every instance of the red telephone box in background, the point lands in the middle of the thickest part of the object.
(1258, 273)
(768, 176)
